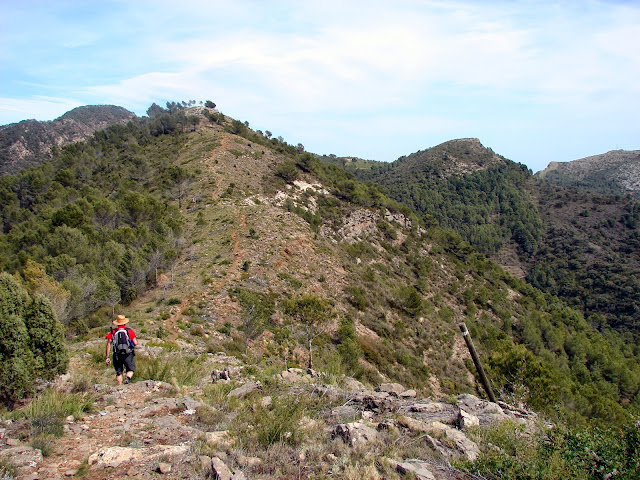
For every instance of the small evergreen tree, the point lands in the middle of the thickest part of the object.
(32, 341)
(46, 338)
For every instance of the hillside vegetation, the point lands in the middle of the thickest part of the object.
(215, 238)
(580, 246)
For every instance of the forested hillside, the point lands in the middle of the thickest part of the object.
(96, 218)
(580, 246)
(466, 187)
(590, 255)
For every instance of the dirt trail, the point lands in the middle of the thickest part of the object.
(220, 149)
(237, 253)
(171, 322)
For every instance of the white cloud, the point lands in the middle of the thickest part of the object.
(435, 68)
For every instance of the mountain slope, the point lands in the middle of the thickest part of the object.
(467, 187)
(267, 231)
(277, 258)
(578, 245)
(616, 172)
(29, 142)
(590, 254)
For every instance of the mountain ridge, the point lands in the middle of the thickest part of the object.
(28, 143)
(615, 172)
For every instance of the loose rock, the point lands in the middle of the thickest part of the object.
(220, 470)
(245, 390)
(417, 467)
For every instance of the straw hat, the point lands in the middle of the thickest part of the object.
(121, 320)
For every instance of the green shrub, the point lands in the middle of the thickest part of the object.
(32, 345)
(589, 453)
(45, 443)
(348, 346)
(7, 471)
(357, 297)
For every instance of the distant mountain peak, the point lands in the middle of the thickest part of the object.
(453, 158)
(613, 172)
(28, 143)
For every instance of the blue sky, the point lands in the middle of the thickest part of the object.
(537, 81)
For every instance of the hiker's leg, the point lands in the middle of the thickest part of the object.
(118, 365)
(130, 364)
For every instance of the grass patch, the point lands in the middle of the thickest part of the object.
(7, 471)
(172, 369)
(97, 354)
(256, 425)
(44, 442)
(48, 411)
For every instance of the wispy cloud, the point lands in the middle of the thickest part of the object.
(38, 108)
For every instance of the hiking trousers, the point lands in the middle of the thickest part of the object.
(122, 364)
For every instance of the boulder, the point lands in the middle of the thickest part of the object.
(290, 376)
(245, 390)
(22, 456)
(414, 425)
(486, 412)
(465, 446)
(218, 439)
(114, 456)
(344, 413)
(466, 420)
(190, 403)
(353, 385)
(408, 394)
(355, 434)
(217, 375)
(393, 389)
(436, 412)
(378, 402)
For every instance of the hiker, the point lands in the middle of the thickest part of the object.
(121, 342)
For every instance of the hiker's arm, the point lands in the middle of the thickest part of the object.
(108, 349)
(135, 342)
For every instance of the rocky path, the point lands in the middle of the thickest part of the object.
(148, 430)
(134, 429)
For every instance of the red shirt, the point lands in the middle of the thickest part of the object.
(131, 333)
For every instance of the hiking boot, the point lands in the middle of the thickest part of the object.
(126, 380)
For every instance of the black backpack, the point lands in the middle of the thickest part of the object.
(121, 342)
